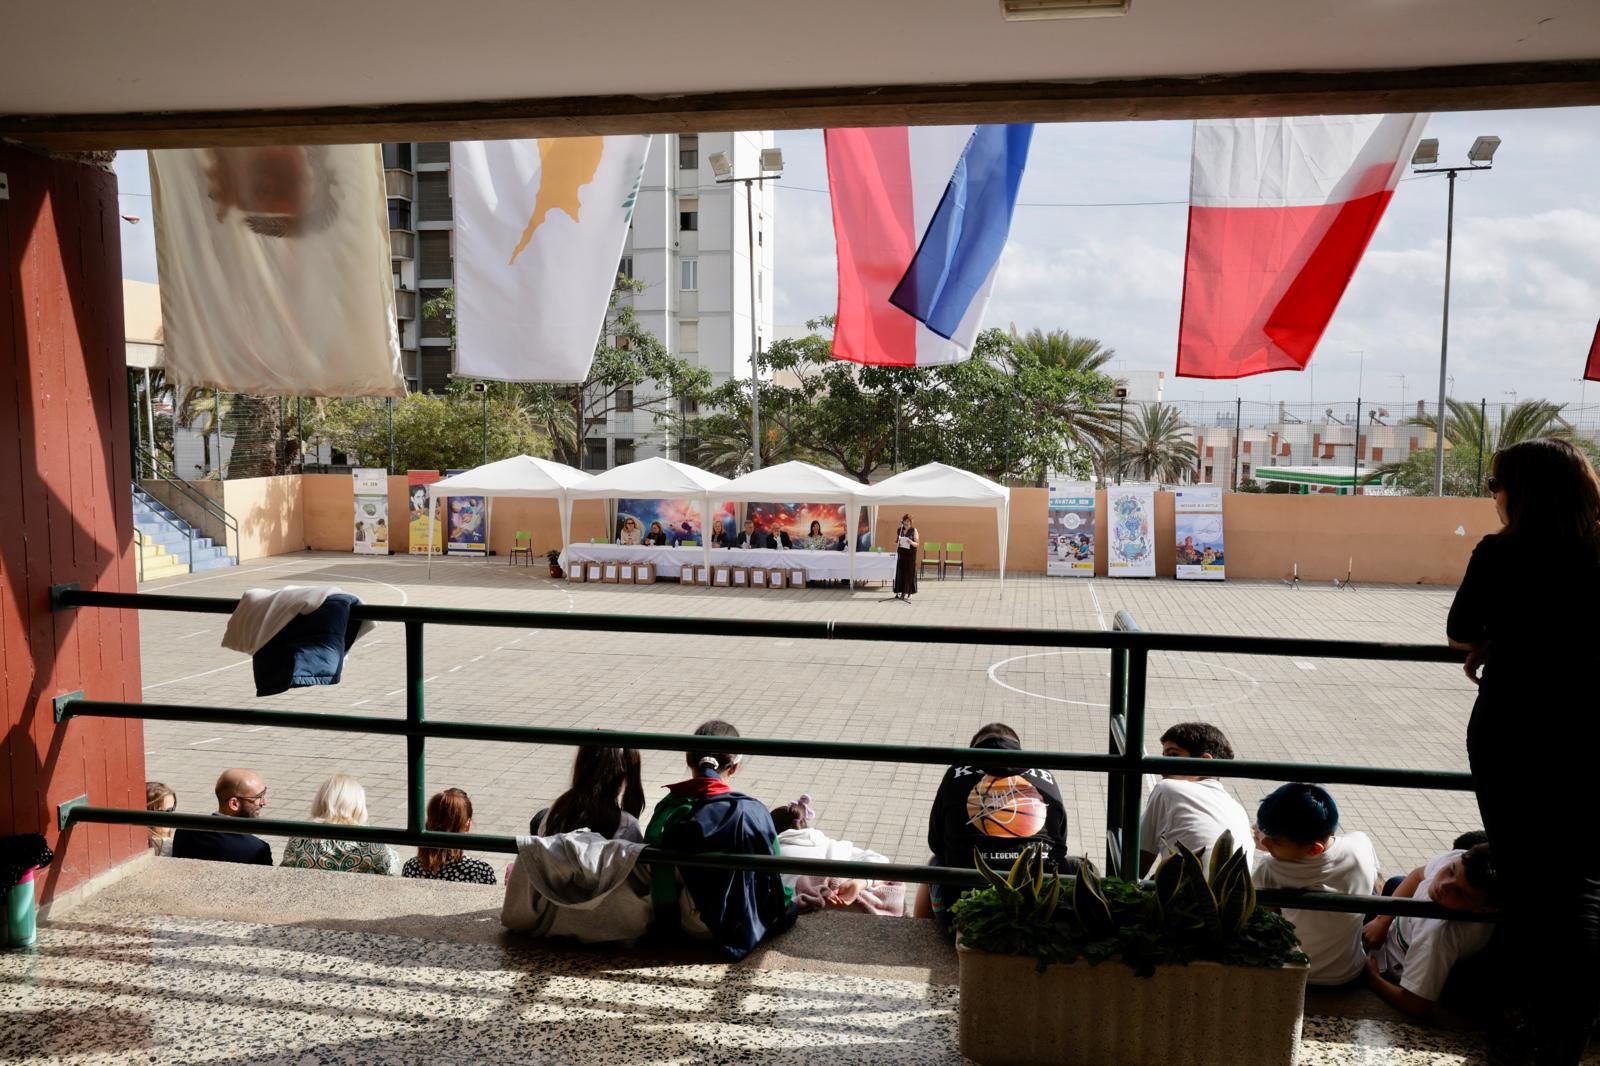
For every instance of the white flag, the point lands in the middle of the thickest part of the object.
(275, 271)
(540, 225)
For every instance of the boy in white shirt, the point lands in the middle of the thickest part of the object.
(1295, 828)
(1412, 957)
(1190, 809)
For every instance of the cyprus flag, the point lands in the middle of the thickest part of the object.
(540, 226)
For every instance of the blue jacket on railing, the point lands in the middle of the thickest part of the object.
(309, 649)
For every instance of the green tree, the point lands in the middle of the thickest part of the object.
(204, 411)
(1157, 446)
(432, 431)
(1471, 442)
(1062, 349)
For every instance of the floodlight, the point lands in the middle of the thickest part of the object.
(720, 166)
(772, 159)
(1483, 149)
(1427, 153)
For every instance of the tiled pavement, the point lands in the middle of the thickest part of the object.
(1399, 714)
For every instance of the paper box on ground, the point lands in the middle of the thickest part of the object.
(644, 573)
(758, 577)
(611, 573)
(777, 579)
(722, 576)
(575, 571)
(686, 575)
(625, 574)
(702, 575)
(741, 577)
(798, 577)
(591, 571)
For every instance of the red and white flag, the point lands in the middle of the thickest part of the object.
(1280, 212)
(1591, 370)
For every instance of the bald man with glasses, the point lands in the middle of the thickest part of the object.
(240, 794)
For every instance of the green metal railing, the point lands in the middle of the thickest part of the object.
(1125, 762)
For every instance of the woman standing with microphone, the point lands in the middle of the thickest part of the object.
(1528, 613)
(905, 559)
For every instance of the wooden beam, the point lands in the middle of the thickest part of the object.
(1462, 88)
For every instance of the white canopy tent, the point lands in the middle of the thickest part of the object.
(938, 485)
(799, 482)
(520, 475)
(659, 479)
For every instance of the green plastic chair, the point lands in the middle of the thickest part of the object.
(522, 544)
(954, 555)
(930, 554)
(600, 540)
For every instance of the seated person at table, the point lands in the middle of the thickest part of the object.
(656, 538)
(628, 530)
(815, 541)
(780, 540)
(1188, 808)
(1412, 957)
(995, 811)
(749, 537)
(1296, 828)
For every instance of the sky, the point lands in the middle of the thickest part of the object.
(1097, 248)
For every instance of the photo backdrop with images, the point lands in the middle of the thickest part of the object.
(466, 523)
(680, 520)
(796, 518)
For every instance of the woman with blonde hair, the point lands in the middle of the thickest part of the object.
(340, 801)
(449, 811)
(158, 797)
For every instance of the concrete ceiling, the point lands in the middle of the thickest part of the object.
(184, 55)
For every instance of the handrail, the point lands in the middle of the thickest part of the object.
(215, 510)
(1126, 762)
(186, 529)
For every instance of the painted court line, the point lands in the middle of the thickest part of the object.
(197, 743)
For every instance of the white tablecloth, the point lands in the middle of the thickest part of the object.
(820, 565)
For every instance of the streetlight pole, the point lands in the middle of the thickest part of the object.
(1122, 421)
(771, 163)
(1479, 157)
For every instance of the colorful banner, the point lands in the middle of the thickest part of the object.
(1130, 531)
(466, 523)
(420, 528)
(795, 519)
(1070, 523)
(1198, 517)
(371, 511)
(676, 520)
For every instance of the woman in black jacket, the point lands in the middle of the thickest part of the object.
(1528, 614)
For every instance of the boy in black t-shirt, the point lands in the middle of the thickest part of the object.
(997, 811)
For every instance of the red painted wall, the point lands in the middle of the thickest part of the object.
(65, 511)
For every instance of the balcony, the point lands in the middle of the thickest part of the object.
(401, 183)
(402, 244)
(405, 304)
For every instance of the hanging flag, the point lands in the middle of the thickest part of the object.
(920, 218)
(539, 230)
(275, 270)
(1280, 212)
(1591, 371)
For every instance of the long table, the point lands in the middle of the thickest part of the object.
(669, 562)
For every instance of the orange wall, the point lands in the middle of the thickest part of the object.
(270, 512)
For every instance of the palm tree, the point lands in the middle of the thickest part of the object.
(1471, 442)
(722, 444)
(204, 411)
(1062, 349)
(1156, 447)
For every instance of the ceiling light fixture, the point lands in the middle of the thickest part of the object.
(1032, 10)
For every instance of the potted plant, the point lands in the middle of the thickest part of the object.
(1082, 970)
(554, 556)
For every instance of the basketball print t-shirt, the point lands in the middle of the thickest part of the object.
(996, 813)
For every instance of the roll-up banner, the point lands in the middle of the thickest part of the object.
(1130, 531)
(371, 511)
(1070, 526)
(1197, 513)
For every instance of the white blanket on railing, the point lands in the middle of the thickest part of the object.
(262, 614)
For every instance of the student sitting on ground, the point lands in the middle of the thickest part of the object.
(736, 909)
(158, 797)
(799, 837)
(340, 801)
(240, 794)
(449, 811)
(996, 811)
(1412, 957)
(1191, 809)
(1296, 827)
(606, 797)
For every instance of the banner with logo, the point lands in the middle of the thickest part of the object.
(1130, 531)
(1198, 517)
(1070, 523)
(371, 511)
(419, 526)
(466, 523)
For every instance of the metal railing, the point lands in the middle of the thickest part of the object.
(213, 510)
(1125, 763)
(140, 537)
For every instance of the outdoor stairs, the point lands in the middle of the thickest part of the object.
(162, 538)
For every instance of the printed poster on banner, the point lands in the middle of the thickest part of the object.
(1130, 531)
(371, 511)
(1070, 524)
(420, 527)
(1198, 519)
(466, 523)
(678, 521)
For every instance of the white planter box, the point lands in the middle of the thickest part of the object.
(1202, 1014)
